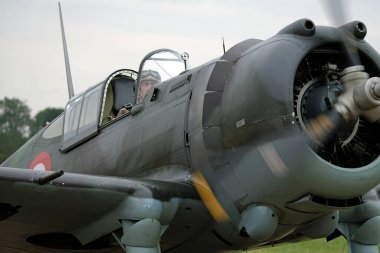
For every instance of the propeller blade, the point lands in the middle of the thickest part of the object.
(322, 128)
(361, 96)
(336, 11)
(209, 198)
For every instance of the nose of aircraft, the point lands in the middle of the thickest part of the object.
(290, 150)
(278, 125)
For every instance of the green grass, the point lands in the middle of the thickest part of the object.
(313, 246)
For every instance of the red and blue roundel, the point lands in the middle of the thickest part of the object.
(41, 162)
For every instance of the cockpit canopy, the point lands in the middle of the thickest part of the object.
(100, 105)
(158, 66)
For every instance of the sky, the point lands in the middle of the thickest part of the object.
(106, 35)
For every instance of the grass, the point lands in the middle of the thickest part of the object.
(313, 246)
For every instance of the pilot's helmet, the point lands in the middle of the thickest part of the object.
(150, 75)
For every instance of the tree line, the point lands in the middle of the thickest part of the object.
(17, 125)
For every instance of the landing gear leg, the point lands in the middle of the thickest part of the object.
(354, 247)
(142, 236)
(362, 237)
(144, 221)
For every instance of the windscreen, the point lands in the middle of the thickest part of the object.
(158, 67)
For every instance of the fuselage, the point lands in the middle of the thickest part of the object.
(229, 118)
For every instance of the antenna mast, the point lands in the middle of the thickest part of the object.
(224, 47)
(67, 63)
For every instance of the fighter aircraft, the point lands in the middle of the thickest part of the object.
(275, 141)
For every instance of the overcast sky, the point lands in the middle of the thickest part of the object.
(106, 35)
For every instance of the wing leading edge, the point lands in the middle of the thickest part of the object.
(161, 190)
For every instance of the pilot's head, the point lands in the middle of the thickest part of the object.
(147, 80)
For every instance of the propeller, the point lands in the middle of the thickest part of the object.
(359, 95)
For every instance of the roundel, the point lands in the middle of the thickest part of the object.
(41, 162)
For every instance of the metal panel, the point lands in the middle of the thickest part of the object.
(211, 108)
(235, 52)
(213, 142)
(219, 76)
(199, 78)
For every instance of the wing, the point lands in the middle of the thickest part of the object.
(86, 206)
(161, 189)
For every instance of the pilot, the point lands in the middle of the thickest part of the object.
(147, 80)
